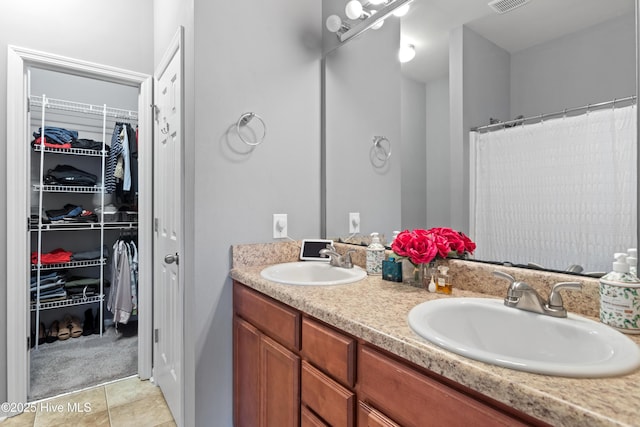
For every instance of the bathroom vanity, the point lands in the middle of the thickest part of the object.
(345, 356)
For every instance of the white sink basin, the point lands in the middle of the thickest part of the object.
(312, 273)
(487, 330)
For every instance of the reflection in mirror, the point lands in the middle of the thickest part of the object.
(471, 65)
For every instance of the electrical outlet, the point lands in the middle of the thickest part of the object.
(354, 222)
(279, 226)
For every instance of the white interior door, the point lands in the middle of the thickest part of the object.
(168, 292)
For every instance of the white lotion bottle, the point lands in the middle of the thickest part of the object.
(620, 297)
(375, 256)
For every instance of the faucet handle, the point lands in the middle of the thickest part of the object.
(503, 275)
(555, 299)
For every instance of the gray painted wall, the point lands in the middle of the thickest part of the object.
(593, 65)
(415, 164)
(590, 66)
(91, 38)
(479, 78)
(248, 56)
(362, 98)
(438, 152)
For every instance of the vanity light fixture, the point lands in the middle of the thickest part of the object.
(406, 52)
(371, 15)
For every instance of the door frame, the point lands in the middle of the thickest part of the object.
(18, 61)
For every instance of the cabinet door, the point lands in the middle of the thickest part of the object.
(246, 374)
(279, 385)
(369, 417)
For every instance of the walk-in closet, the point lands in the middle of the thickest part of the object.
(83, 230)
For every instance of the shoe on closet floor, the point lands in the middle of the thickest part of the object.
(42, 334)
(64, 331)
(52, 334)
(75, 327)
(88, 325)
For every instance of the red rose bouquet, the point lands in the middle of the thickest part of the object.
(423, 246)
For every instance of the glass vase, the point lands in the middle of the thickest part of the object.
(418, 275)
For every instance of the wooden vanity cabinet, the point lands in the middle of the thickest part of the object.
(414, 399)
(293, 370)
(266, 337)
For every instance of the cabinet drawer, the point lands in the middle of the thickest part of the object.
(329, 350)
(331, 401)
(369, 417)
(308, 419)
(278, 321)
(416, 400)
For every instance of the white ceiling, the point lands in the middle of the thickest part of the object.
(428, 24)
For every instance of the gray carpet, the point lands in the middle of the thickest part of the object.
(76, 363)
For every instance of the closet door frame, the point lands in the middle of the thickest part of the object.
(18, 331)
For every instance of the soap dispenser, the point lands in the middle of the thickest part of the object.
(375, 256)
(620, 297)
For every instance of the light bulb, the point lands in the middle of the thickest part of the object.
(406, 53)
(333, 23)
(353, 9)
(402, 10)
(378, 24)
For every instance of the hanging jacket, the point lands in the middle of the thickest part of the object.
(120, 302)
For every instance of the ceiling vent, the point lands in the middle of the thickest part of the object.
(504, 6)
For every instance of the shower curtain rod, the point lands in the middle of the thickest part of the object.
(514, 122)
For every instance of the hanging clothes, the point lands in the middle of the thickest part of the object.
(123, 300)
(120, 293)
(112, 160)
(121, 175)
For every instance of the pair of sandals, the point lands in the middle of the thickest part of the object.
(68, 327)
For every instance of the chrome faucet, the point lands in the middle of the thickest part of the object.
(524, 297)
(337, 260)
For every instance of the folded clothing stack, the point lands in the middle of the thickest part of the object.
(71, 213)
(52, 286)
(55, 137)
(60, 256)
(69, 175)
(83, 287)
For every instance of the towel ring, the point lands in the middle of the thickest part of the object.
(380, 149)
(244, 121)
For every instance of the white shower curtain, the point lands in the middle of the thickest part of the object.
(558, 192)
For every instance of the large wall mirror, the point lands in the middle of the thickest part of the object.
(472, 65)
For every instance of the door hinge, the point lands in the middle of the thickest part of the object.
(155, 224)
(155, 335)
(28, 343)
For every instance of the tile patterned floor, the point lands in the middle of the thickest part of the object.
(128, 402)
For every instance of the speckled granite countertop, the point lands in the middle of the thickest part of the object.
(376, 311)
